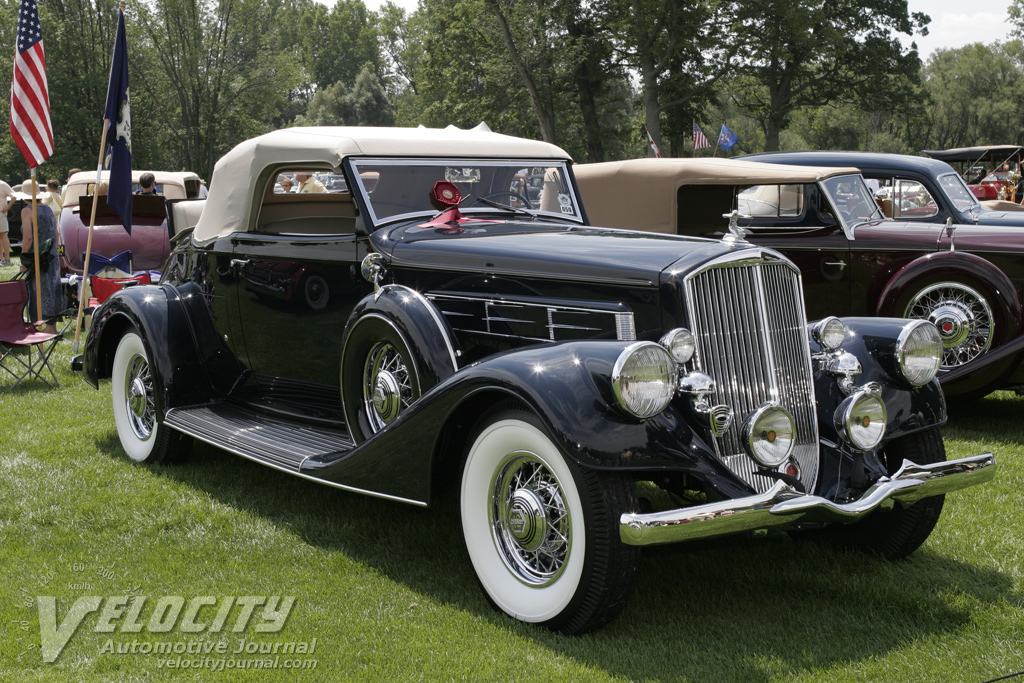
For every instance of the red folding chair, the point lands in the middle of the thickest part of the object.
(18, 339)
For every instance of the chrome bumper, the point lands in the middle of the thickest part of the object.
(783, 505)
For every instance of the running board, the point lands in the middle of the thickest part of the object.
(270, 440)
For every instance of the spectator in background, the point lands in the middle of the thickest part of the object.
(308, 183)
(49, 274)
(52, 197)
(64, 192)
(147, 184)
(287, 184)
(6, 199)
(203, 192)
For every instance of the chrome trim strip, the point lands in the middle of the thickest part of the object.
(783, 505)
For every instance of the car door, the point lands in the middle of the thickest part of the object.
(298, 281)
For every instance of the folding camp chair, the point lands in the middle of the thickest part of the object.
(18, 339)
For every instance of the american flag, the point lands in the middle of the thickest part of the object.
(700, 141)
(650, 142)
(30, 101)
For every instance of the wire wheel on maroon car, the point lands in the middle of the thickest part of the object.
(379, 380)
(133, 395)
(963, 317)
(541, 531)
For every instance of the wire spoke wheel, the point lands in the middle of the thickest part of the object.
(531, 523)
(962, 316)
(138, 391)
(387, 385)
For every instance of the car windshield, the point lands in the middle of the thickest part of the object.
(397, 188)
(850, 196)
(958, 192)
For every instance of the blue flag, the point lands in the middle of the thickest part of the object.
(727, 139)
(119, 130)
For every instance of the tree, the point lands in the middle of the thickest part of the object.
(365, 104)
(800, 53)
(680, 50)
(213, 76)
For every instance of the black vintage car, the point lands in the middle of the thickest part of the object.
(558, 375)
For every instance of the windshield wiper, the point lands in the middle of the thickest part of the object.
(505, 207)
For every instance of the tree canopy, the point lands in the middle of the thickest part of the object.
(593, 76)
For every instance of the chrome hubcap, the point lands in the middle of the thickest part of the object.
(961, 315)
(529, 519)
(138, 392)
(387, 385)
(955, 324)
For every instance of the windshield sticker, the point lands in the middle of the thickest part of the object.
(565, 204)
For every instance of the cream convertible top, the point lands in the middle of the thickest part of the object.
(233, 199)
(643, 191)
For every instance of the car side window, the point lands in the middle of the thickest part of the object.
(775, 201)
(307, 202)
(909, 199)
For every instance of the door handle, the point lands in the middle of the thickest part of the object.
(838, 264)
(243, 262)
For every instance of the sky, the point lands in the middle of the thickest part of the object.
(955, 23)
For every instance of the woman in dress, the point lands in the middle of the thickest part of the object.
(49, 275)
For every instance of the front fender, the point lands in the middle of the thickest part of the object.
(873, 341)
(948, 265)
(568, 386)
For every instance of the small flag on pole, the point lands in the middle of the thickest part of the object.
(119, 130)
(30, 99)
(727, 139)
(700, 141)
(650, 141)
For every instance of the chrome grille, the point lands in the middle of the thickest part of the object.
(748, 320)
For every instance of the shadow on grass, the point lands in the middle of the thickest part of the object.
(997, 416)
(745, 608)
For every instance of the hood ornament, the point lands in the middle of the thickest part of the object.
(736, 234)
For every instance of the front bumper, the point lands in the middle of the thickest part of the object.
(783, 505)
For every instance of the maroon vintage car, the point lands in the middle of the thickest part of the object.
(967, 279)
(149, 241)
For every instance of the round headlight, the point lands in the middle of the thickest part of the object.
(680, 344)
(829, 333)
(919, 350)
(770, 435)
(861, 420)
(644, 378)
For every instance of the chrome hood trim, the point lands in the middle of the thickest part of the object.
(783, 505)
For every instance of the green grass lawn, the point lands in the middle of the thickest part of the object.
(387, 591)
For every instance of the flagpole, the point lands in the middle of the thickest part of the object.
(88, 242)
(35, 249)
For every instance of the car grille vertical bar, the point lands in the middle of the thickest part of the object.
(751, 332)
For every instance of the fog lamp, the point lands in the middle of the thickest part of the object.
(770, 435)
(680, 344)
(860, 419)
(829, 333)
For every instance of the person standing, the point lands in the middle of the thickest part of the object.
(52, 197)
(6, 199)
(49, 274)
(308, 183)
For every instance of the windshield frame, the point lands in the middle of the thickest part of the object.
(357, 166)
(847, 222)
(973, 204)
